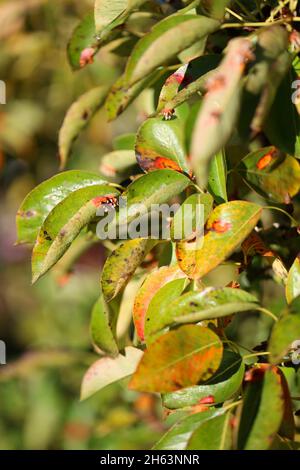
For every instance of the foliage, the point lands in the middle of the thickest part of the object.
(211, 77)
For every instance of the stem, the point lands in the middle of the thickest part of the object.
(245, 10)
(274, 208)
(267, 312)
(265, 353)
(232, 405)
(252, 25)
(234, 14)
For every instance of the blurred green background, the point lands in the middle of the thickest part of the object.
(46, 327)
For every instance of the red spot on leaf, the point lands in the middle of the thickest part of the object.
(110, 200)
(209, 400)
(221, 226)
(87, 56)
(264, 161)
(162, 163)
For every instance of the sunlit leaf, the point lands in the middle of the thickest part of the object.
(171, 87)
(166, 39)
(292, 289)
(212, 434)
(108, 370)
(227, 226)
(284, 333)
(77, 118)
(63, 224)
(44, 197)
(160, 144)
(271, 174)
(219, 111)
(205, 305)
(151, 285)
(160, 302)
(178, 436)
(222, 386)
(121, 264)
(178, 359)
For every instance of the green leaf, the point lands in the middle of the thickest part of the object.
(121, 264)
(178, 436)
(107, 370)
(156, 187)
(227, 226)
(219, 111)
(166, 39)
(178, 359)
(102, 328)
(217, 177)
(283, 124)
(160, 302)
(224, 384)
(212, 434)
(42, 199)
(292, 289)
(284, 333)
(77, 118)
(121, 95)
(152, 284)
(208, 304)
(189, 216)
(118, 165)
(82, 39)
(63, 224)
(262, 413)
(160, 144)
(273, 175)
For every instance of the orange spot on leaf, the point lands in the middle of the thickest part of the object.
(221, 226)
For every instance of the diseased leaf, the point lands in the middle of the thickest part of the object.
(121, 94)
(63, 224)
(205, 305)
(273, 175)
(292, 289)
(102, 328)
(166, 39)
(220, 108)
(262, 413)
(223, 385)
(44, 197)
(178, 436)
(82, 39)
(121, 264)
(190, 218)
(197, 75)
(107, 370)
(151, 285)
(284, 333)
(212, 434)
(227, 226)
(171, 87)
(77, 118)
(217, 177)
(160, 144)
(178, 359)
